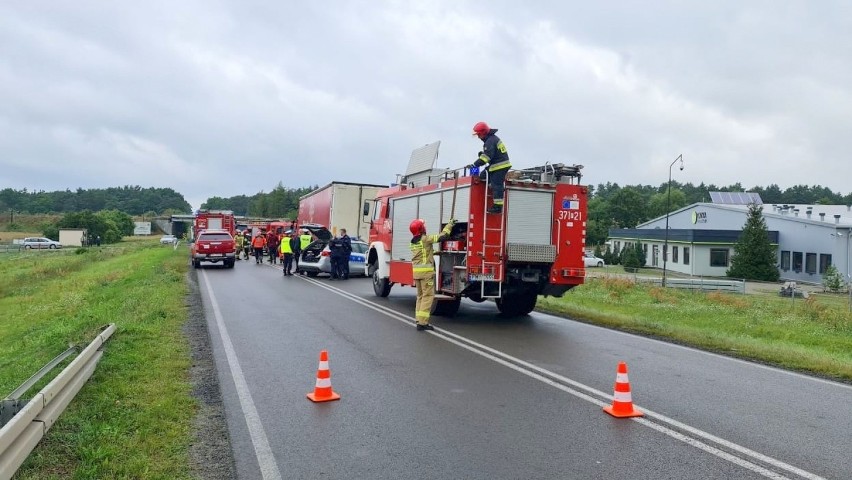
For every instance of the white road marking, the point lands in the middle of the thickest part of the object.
(265, 458)
(561, 383)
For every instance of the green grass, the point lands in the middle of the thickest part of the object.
(813, 335)
(133, 418)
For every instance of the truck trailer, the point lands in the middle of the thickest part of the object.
(338, 205)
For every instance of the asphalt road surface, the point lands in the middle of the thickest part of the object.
(483, 397)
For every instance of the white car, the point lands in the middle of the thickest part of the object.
(592, 261)
(168, 239)
(41, 243)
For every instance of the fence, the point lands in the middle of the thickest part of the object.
(703, 284)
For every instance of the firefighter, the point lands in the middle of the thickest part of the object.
(258, 243)
(247, 243)
(423, 265)
(496, 160)
(286, 255)
(240, 241)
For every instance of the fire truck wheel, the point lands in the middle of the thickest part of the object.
(381, 285)
(517, 305)
(445, 308)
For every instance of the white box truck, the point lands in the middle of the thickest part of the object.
(340, 205)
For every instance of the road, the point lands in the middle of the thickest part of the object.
(483, 397)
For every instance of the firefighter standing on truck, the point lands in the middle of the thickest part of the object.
(423, 266)
(496, 159)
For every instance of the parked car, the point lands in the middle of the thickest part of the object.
(316, 258)
(214, 246)
(41, 243)
(168, 239)
(593, 261)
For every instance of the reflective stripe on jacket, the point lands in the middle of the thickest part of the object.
(494, 153)
(422, 251)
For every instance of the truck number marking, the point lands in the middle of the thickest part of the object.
(573, 215)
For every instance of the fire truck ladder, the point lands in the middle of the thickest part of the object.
(489, 226)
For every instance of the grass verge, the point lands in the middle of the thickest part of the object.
(133, 419)
(813, 335)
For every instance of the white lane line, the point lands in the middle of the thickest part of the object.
(265, 458)
(559, 381)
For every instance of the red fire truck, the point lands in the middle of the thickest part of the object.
(535, 247)
(214, 220)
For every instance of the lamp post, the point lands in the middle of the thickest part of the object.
(668, 207)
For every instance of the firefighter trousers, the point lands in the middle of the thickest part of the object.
(425, 297)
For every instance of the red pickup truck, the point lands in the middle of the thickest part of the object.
(214, 246)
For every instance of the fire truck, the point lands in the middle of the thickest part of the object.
(534, 247)
(214, 220)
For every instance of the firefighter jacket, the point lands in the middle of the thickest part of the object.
(493, 153)
(258, 241)
(422, 251)
(285, 247)
(240, 241)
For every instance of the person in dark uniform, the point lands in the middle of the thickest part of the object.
(343, 264)
(495, 158)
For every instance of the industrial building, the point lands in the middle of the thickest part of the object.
(701, 237)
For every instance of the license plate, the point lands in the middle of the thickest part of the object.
(479, 278)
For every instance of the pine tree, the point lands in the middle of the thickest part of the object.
(754, 257)
(832, 279)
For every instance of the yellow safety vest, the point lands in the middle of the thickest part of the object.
(305, 240)
(284, 247)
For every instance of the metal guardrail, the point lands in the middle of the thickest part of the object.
(27, 427)
(702, 284)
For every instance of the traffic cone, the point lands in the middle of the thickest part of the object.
(323, 392)
(622, 403)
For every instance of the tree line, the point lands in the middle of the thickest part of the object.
(613, 206)
(133, 200)
(281, 202)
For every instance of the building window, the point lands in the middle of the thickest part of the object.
(810, 263)
(797, 262)
(718, 257)
(824, 262)
(674, 254)
(686, 255)
(785, 260)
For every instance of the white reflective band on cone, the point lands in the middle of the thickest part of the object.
(323, 366)
(323, 382)
(621, 378)
(619, 397)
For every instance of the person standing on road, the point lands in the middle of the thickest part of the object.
(335, 248)
(423, 265)
(240, 240)
(286, 255)
(343, 264)
(496, 159)
(296, 247)
(272, 247)
(257, 243)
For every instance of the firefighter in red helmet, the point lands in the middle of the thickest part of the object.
(423, 265)
(496, 159)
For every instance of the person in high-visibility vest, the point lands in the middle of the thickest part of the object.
(286, 255)
(240, 242)
(257, 243)
(305, 239)
(496, 159)
(423, 266)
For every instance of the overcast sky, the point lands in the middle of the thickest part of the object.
(223, 98)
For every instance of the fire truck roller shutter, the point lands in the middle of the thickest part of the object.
(429, 209)
(529, 217)
(404, 211)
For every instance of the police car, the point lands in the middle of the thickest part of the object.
(316, 257)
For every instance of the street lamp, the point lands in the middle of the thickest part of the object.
(668, 207)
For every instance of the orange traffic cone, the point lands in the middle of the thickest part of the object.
(622, 403)
(322, 391)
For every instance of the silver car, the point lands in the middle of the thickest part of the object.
(41, 243)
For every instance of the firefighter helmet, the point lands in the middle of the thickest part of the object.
(481, 128)
(417, 226)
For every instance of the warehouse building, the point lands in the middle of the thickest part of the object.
(701, 237)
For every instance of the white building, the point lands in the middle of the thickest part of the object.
(701, 239)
